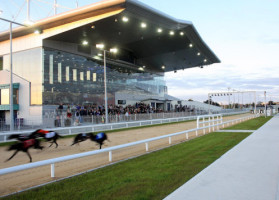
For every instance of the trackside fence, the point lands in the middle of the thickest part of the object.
(104, 127)
(109, 150)
(209, 120)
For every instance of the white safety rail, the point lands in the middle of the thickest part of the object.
(209, 120)
(52, 162)
(102, 127)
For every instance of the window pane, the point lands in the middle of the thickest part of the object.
(94, 77)
(88, 75)
(74, 74)
(50, 69)
(59, 73)
(5, 97)
(1, 63)
(67, 73)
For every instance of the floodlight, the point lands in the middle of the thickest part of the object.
(38, 31)
(28, 23)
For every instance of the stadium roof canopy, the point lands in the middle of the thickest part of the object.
(147, 36)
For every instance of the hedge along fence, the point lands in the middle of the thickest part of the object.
(111, 149)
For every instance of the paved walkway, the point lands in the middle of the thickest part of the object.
(249, 171)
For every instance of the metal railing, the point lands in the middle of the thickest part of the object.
(52, 119)
(210, 119)
(101, 127)
(110, 149)
(72, 130)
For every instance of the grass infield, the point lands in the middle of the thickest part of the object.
(252, 124)
(151, 176)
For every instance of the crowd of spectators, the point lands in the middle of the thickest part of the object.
(76, 113)
(99, 110)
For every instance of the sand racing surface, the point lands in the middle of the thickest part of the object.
(17, 181)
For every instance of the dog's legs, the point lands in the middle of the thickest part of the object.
(56, 143)
(29, 155)
(51, 143)
(12, 156)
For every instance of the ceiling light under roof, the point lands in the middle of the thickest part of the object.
(181, 33)
(143, 25)
(190, 45)
(198, 54)
(100, 46)
(84, 42)
(113, 50)
(171, 32)
(163, 67)
(125, 19)
(159, 30)
(205, 60)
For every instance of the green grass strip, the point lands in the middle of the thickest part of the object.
(252, 124)
(152, 176)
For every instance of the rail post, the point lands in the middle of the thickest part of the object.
(146, 146)
(110, 156)
(203, 126)
(52, 170)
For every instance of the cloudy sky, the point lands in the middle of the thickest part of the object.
(244, 34)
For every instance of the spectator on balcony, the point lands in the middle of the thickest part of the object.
(69, 112)
(60, 109)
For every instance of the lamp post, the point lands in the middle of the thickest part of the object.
(11, 72)
(113, 50)
(265, 103)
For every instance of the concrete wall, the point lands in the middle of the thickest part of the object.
(30, 114)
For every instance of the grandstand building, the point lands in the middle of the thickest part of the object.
(56, 59)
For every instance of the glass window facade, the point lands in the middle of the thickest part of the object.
(5, 96)
(79, 80)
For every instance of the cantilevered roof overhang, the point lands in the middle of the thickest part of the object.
(144, 36)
